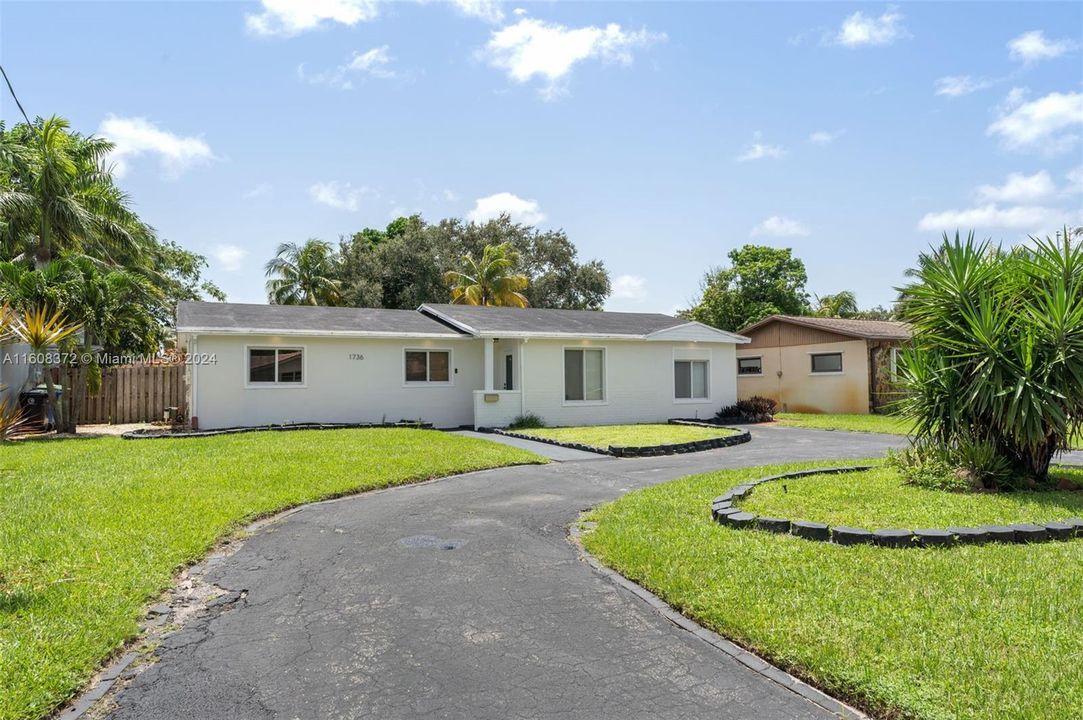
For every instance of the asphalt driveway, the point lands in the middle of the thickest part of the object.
(462, 598)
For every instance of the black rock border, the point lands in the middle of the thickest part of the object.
(620, 451)
(156, 434)
(724, 512)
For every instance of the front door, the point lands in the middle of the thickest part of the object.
(509, 383)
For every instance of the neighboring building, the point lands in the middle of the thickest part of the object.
(452, 365)
(821, 365)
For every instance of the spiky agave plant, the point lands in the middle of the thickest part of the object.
(41, 331)
(997, 356)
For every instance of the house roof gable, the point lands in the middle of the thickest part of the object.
(850, 327)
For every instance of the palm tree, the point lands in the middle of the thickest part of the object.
(489, 281)
(57, 196)
(841, 304)
(304, 274)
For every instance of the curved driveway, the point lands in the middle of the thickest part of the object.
(462, 598)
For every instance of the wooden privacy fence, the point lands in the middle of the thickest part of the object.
(133, 393)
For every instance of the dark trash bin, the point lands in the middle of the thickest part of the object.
(34, 403)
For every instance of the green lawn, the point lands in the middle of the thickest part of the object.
(968, 632)
(855, 423)
(888, 424)
(602, 436)
(879, 499)
(91, 529)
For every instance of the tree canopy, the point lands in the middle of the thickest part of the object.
(59, 203)
(405, 264)
(760, 281)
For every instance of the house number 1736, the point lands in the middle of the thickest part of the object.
(357, 356)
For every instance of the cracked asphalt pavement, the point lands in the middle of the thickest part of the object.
(462, 598)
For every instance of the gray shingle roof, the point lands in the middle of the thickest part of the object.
(513, 321)
(867, 329)
(298, 319)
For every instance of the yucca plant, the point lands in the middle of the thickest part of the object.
(489, 281)
(997, 356)
(42, 331)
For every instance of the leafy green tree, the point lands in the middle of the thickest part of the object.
(490, 280)
(760, 281)
(995, 375)
(404, 265)
(304, 274)
(842, 304)
(59, 200)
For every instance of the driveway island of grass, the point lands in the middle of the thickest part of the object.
(92, 529)
(938, 634)
(604, 436)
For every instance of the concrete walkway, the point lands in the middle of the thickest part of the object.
(553, 452)
(462, 598)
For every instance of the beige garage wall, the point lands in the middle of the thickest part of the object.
(798, 389)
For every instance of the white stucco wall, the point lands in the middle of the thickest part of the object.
(336, 388)
(639, 385)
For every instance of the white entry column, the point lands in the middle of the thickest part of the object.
(489, 373)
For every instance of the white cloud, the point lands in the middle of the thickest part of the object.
(518, 209)
(230, 257)
(629, 287)
(860, 29)
(1019, 217)
(531, 48)
(375, 63)
(259, 191)
(1034, 46)
(1075, 180)
(137, 136)
(1045, 124)
(823, 137)
(450, 195)
(291, 17)
(1019, 188)
(957, 85)
(778, 226)
(759, 150)
(341, 196)
(487, 10)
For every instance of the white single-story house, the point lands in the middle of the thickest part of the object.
(451, 365)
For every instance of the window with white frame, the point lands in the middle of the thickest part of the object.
(584, 374)
(428, 366)
(275, 366)
(750, 366)
(690, 379)
(827, 363)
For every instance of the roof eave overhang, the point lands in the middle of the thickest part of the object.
(313, 333)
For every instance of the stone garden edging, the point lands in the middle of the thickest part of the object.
(739, 436)
(725, 513)
(153, 434)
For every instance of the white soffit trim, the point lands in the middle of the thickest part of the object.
(313, 333)
(694, 330)
(425, 309)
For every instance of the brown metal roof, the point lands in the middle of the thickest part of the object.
(864, 329)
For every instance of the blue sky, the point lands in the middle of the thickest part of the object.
(658, 135)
